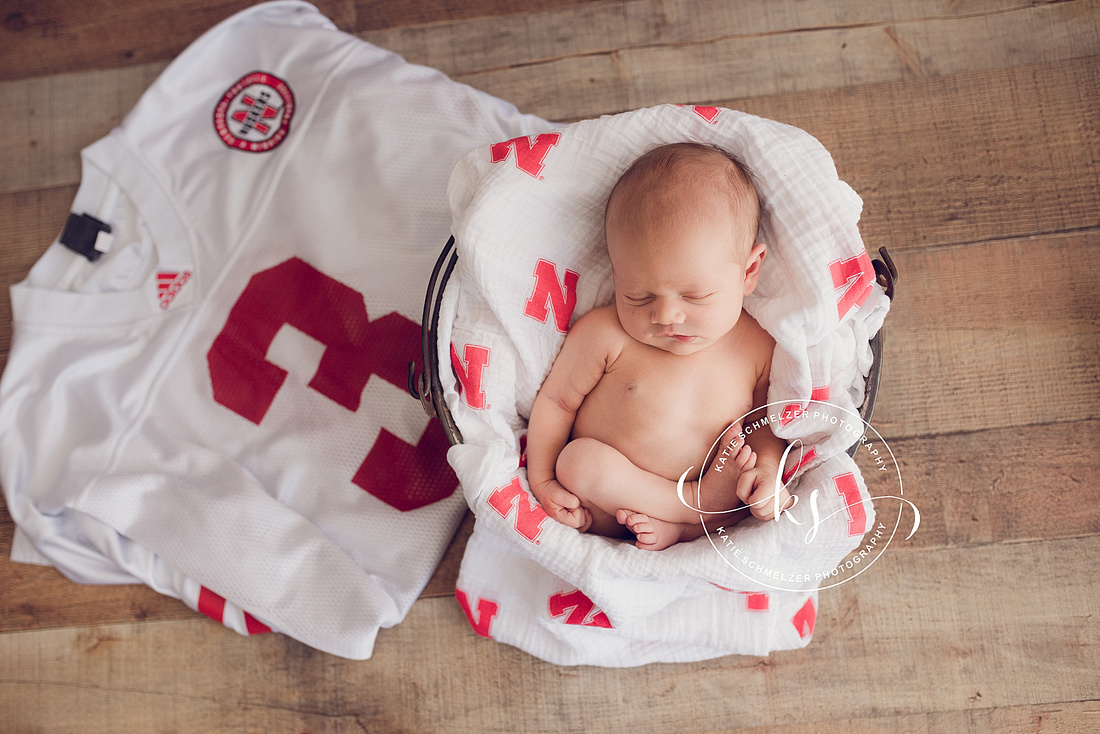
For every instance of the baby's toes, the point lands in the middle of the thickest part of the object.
(645, 532)
(636, 521)
(745, 459)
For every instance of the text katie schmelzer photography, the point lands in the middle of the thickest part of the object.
(807, 489)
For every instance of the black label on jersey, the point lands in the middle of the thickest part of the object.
(80, 235)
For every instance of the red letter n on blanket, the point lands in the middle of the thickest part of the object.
(562, 296)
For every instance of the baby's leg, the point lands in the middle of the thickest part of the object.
(603, 478)
(606, 482)
(583, 468)
(715, 491)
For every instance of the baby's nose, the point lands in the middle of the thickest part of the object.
(666, 311)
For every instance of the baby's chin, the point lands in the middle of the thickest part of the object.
(679, 345)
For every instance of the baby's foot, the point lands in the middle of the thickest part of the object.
(651, 533)
(718, 486)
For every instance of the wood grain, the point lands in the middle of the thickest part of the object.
(720, 68)
(43, 131)
(979, 488)
(937, 161)
(993, 334)
(943, 636)
(965, 158)
(484, 44)
(51, 36)
(969, 128)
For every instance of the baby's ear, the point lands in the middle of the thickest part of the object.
(752, 266)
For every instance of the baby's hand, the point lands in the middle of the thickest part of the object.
(756, 488)
(562, 505)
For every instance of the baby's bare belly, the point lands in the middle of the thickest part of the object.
(664, 421)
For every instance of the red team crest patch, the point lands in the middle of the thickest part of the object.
(254, 114)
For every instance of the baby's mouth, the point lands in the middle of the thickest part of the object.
(684, 338)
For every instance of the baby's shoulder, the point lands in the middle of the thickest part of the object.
(600, 323)
(757, 341)
(596, 336)
(754, 331)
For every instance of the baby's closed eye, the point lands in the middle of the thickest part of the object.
(642, 300)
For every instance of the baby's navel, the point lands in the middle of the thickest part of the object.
(630, 388)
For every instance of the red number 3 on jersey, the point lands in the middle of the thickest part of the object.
(400, 474)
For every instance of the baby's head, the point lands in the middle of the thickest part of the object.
(681, 227)
(681, 182)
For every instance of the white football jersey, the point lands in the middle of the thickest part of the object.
(209, 398)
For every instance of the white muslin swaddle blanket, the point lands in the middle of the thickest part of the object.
(528, 220)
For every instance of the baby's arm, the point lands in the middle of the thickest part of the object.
(577, 369)
(757, 486)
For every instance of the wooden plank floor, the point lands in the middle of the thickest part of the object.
(972, 130)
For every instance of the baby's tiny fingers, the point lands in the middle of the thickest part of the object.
(572, 518)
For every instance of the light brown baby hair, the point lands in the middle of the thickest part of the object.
(703, 167)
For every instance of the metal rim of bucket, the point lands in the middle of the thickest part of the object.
(428, 388)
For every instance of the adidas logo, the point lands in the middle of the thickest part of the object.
(169, 285)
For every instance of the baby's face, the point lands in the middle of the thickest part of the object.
(679, 286)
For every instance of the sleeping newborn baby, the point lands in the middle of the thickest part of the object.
(644, 386)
